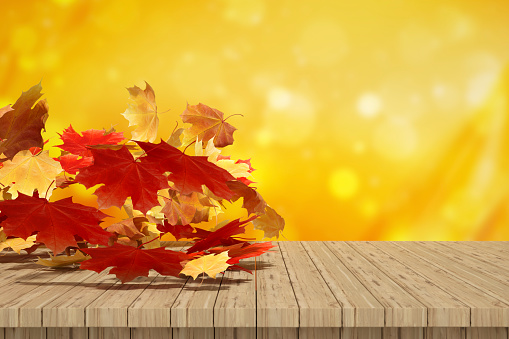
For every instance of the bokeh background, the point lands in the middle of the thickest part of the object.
(365, 120)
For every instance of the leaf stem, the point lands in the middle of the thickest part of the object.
(232, 116)
(46, 195)
(149, 241)
(184, 151)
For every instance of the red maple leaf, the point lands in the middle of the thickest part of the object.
(130, 262)
(123, 177)
(242, 251)
(77, 144)
(71, 164)
(221, 235)
(56, 223)
(188, 172)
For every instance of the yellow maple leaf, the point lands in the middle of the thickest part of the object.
(210, 264)
(142, 113)
(62, 260)
(270, 223)
(16, 244)
(27, 172)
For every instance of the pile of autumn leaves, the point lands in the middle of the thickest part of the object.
(162, 189)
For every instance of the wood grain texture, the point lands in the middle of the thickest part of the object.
(235, 333)
(27, 285)
(193, 333)
(403, 333)
(386, 290)
(25, 333)
(486, 310)
(152, 308)
(460, 269)
(277, 333)
(444, 310)
(473, 264)
(318, 306)
(108, 333)
(360, 308)
(487, 333)
(154, 332)
(236, 301)
(276, 302)
(67, 333)
(68, 310)
(401, 308)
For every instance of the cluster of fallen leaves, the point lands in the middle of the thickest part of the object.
(162, 189)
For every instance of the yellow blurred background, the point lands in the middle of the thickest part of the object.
(365, 120)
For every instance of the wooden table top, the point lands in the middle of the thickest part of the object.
(298, 284)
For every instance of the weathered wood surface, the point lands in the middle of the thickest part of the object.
(312, 289)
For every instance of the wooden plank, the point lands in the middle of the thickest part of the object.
(277, 332)
(444, 310)
(470, 248)
(15, 266)
(67, 333)
(454, 253)
(2, 333)
(485, 309)
(318, 307)
(154, 332)
(236, 301)
(193, 333)
(501, 246)
(360, 308)
(487, 333)
(471, 276)
(9, 317)
(30, 305)
(444, 333)
(153, 305)
(109, 333)
(235, 332)
(152, 308)
(403, 333)
(319, 333)
(68, 310)
(110, 308)
(194, 306)
(276, 302)
(25, 333)
(401, 308)
(361, 333)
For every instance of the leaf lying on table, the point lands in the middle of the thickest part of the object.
(56, 223)
(211, 264)
(16, 244)
(131, 262)
(162, 190)
(62, 260)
